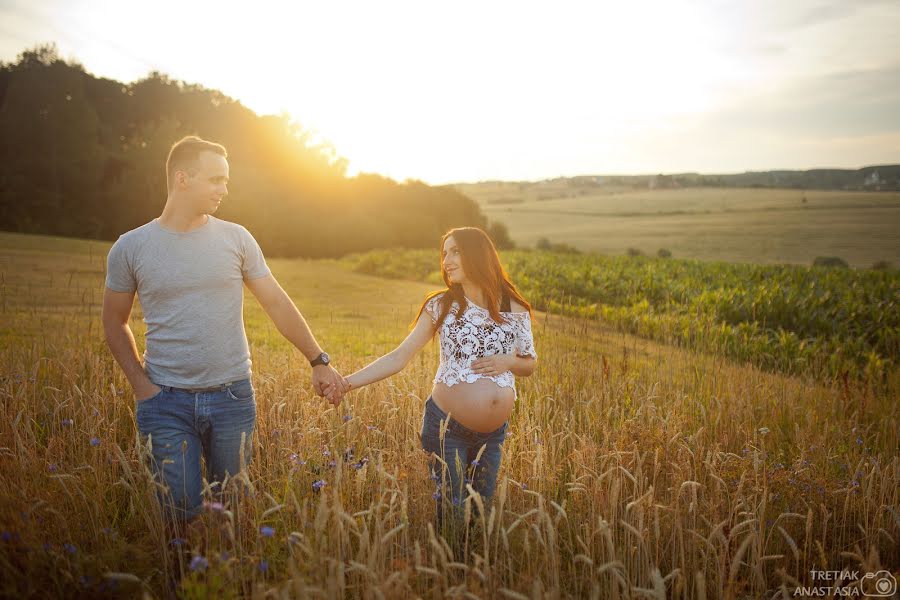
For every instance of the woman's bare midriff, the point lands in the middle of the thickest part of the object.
(482, 406)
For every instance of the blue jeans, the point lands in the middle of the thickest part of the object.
(184, 425)
(455, 462)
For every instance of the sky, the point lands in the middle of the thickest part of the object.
(472, 91)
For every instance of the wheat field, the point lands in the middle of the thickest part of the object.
(632, 469)
(767, 226)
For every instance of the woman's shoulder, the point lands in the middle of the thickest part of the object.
(516, 308)
(436, 297)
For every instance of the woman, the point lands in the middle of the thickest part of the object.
(484, 325)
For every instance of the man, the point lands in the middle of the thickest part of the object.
(193, 390)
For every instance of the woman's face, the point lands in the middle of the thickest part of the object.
(451, 261)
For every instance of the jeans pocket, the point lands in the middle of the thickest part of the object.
(143, 406)
(241, 391)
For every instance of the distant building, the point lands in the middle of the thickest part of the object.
(873, 181)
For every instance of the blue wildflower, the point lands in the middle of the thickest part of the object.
(70, 548)
(6, 536)
(346, 418)
(263, 566)
(199, 563)
(267, 531)
(95, 441)
(318, 485)
(68, 422)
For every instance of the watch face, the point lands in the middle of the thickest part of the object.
(325, 359)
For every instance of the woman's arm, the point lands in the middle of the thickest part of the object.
(396, 359)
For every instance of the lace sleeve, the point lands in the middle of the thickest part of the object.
(524, 338)
(433, 307)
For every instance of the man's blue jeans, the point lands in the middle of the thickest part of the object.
(459, 464)
(184, 425)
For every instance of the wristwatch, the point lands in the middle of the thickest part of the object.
(321, 359)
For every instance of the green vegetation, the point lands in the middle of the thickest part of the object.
(822, 321)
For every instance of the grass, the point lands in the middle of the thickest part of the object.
(633, 469)
(728, 224)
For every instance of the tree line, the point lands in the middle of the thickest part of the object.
(83, 156)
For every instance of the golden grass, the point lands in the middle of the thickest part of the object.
(633, 469)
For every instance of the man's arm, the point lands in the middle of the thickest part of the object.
(120, 339)
(291, 324)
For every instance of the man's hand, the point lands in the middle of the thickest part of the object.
(329, 383)
(146, 391)
(493, 365)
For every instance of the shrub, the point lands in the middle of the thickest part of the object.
(634, 252)
(548, 246)
(830, 261)
(663, 253)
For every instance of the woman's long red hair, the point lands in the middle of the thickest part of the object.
(481, 264)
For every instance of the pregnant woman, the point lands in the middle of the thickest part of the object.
(484, 327)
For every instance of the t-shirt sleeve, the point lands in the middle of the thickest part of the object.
(119, 270)
(524, 338)
(433, 308)
(253, 263)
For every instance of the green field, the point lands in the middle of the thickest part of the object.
(634, 469)
(727, 224)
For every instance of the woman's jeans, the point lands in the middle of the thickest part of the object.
(183, 425)
(455, 462)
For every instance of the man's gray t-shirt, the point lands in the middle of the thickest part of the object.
(190, 286)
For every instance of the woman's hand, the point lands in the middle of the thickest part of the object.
(493, 365)
(333, 394)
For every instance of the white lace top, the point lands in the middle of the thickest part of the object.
(475, 335)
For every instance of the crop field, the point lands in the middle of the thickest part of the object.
(633, 469)
(720, 224)
(822, 321)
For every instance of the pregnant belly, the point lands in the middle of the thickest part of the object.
(482, 406)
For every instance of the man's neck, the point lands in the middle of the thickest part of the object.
(180, 221)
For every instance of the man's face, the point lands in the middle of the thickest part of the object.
(207, 183)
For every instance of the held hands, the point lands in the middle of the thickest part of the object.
(329, 384)
(493, 365)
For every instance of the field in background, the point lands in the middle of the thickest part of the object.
(632, 469)
(727, 224)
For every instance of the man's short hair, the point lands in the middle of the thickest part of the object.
(184, 155)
